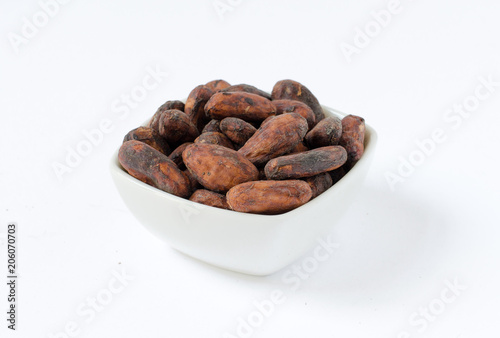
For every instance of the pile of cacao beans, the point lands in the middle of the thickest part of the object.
(240, 148)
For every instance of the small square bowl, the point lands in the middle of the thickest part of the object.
(246, 243)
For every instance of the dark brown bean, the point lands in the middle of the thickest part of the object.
(176, 127)
(210, 198)
(293, 106)
(247, 89)
(176, 155)
(326, 133)
(352, 139)
(306, 164)
(193, 182)
(217, 85)
(293, 90)
(213, 125)
(246, 106)
(153, 167)
(174, 104)
(195, 106)
(237, 130)
(319, 183)
(262, 174)
(215, 138)
(150, 137)
(276, 137)
(337, 174)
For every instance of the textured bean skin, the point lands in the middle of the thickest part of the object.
(269, 197)
(176, 127)
(263, 123)
(293, 90)
(326, 133)
(213, 125)
(174, 104)
(176, 155)
(218, 168)
(215, 138)
(210, 198)
(274, 138)
(150, 137)
(306, 164)
(247, 89)
(319, 183)
(217, 85)
(246, 106)
(154, 168)
(195, 106)
(293, 106)
(353, 138)
(237, 130)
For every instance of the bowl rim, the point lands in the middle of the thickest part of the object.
(369, 144)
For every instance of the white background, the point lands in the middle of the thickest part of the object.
(398, 248)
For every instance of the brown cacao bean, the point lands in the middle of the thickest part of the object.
(306, 164)
(269, 197)
(218, 168)
(153, 167)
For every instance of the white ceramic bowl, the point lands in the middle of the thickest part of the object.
(247, 243)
